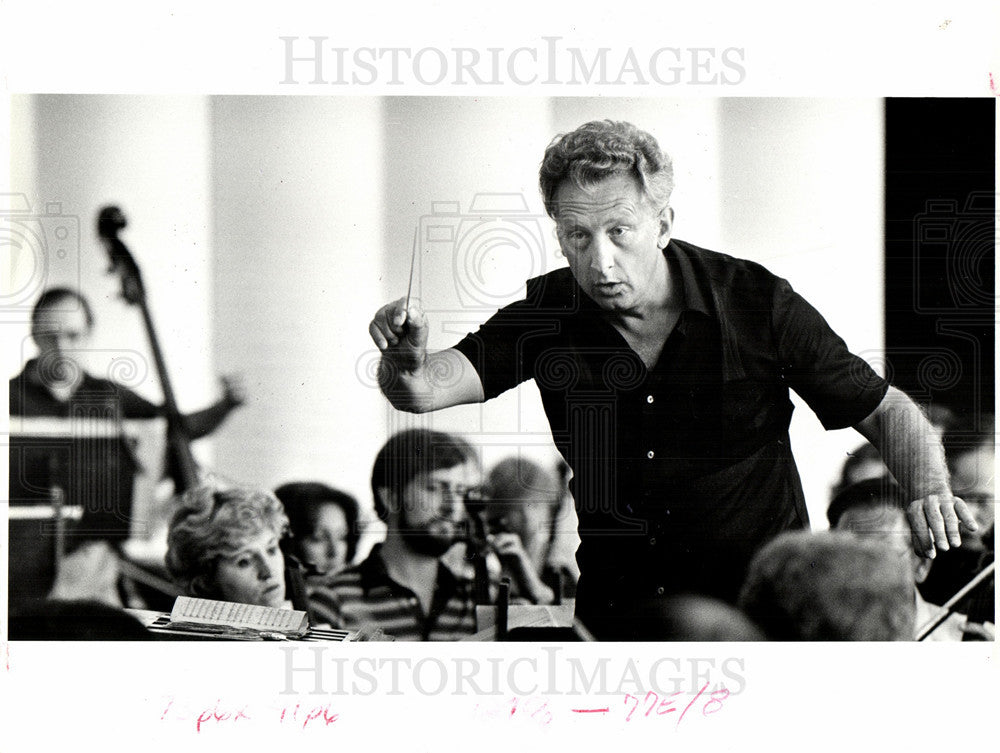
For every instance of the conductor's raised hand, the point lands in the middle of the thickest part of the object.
(400, 332)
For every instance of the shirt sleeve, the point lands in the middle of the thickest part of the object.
(135, 406)
(499, 350)
(841, 388)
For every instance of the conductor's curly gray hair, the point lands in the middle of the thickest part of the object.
(210, 524)
(602, 148)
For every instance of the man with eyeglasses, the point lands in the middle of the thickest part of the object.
(420, 482)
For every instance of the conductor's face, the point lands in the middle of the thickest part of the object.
(613, 238)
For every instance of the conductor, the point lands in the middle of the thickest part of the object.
(664, 371)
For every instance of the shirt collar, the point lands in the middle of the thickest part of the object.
(695, 298)
(374, 574)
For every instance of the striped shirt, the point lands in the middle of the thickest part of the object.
(364, 597)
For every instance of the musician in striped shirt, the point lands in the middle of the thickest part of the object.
(420, 481)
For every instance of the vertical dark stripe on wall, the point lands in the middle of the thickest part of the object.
(940, 208)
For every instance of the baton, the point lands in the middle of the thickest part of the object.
(413, 263)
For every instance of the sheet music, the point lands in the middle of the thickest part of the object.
(231, 614)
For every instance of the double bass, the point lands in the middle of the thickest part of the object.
(110, 222)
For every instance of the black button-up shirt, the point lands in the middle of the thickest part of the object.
(681, 471)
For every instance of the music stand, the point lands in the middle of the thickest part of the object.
(73, 480)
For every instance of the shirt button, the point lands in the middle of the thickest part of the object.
(652, 541)
(649, 399)
(650, 454)
(660, 591)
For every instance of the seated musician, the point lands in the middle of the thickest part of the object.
(420, 482)
(223, 544)
(874, 510)
(969, 447)
(50, 385)
(324, 525)
(524, 502)
(56, 385)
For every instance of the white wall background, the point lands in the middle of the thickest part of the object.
(270, 229)
(297, 193)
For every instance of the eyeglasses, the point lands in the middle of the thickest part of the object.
(468, 494)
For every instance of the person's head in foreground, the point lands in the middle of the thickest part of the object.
(74, 620)
(607, 185)
(420, 482)
(324, 525)
(224, 544)
(687, 617)
(830, 586)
